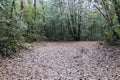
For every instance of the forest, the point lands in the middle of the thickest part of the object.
(59, 39)
(57, 20)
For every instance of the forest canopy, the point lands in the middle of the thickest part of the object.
(57, 20)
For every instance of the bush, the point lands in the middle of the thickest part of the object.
(11, 31)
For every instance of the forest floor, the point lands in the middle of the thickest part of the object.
(63, 61)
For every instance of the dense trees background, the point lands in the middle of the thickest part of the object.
(53, 20)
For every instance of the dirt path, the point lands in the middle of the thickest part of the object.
(64, 61)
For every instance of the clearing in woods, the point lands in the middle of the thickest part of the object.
(64, 61)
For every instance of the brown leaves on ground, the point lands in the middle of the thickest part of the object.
(64, 61)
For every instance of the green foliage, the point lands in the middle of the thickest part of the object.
(69, 20)
(110, 12)
(34, 30)
(11, 37)
(11, 30)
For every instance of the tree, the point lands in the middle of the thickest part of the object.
(116, 4)
(34, 10)
(11, 29)
(107, 10)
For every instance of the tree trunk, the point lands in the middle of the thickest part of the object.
(34, 17)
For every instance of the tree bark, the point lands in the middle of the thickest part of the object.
(34, 17)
